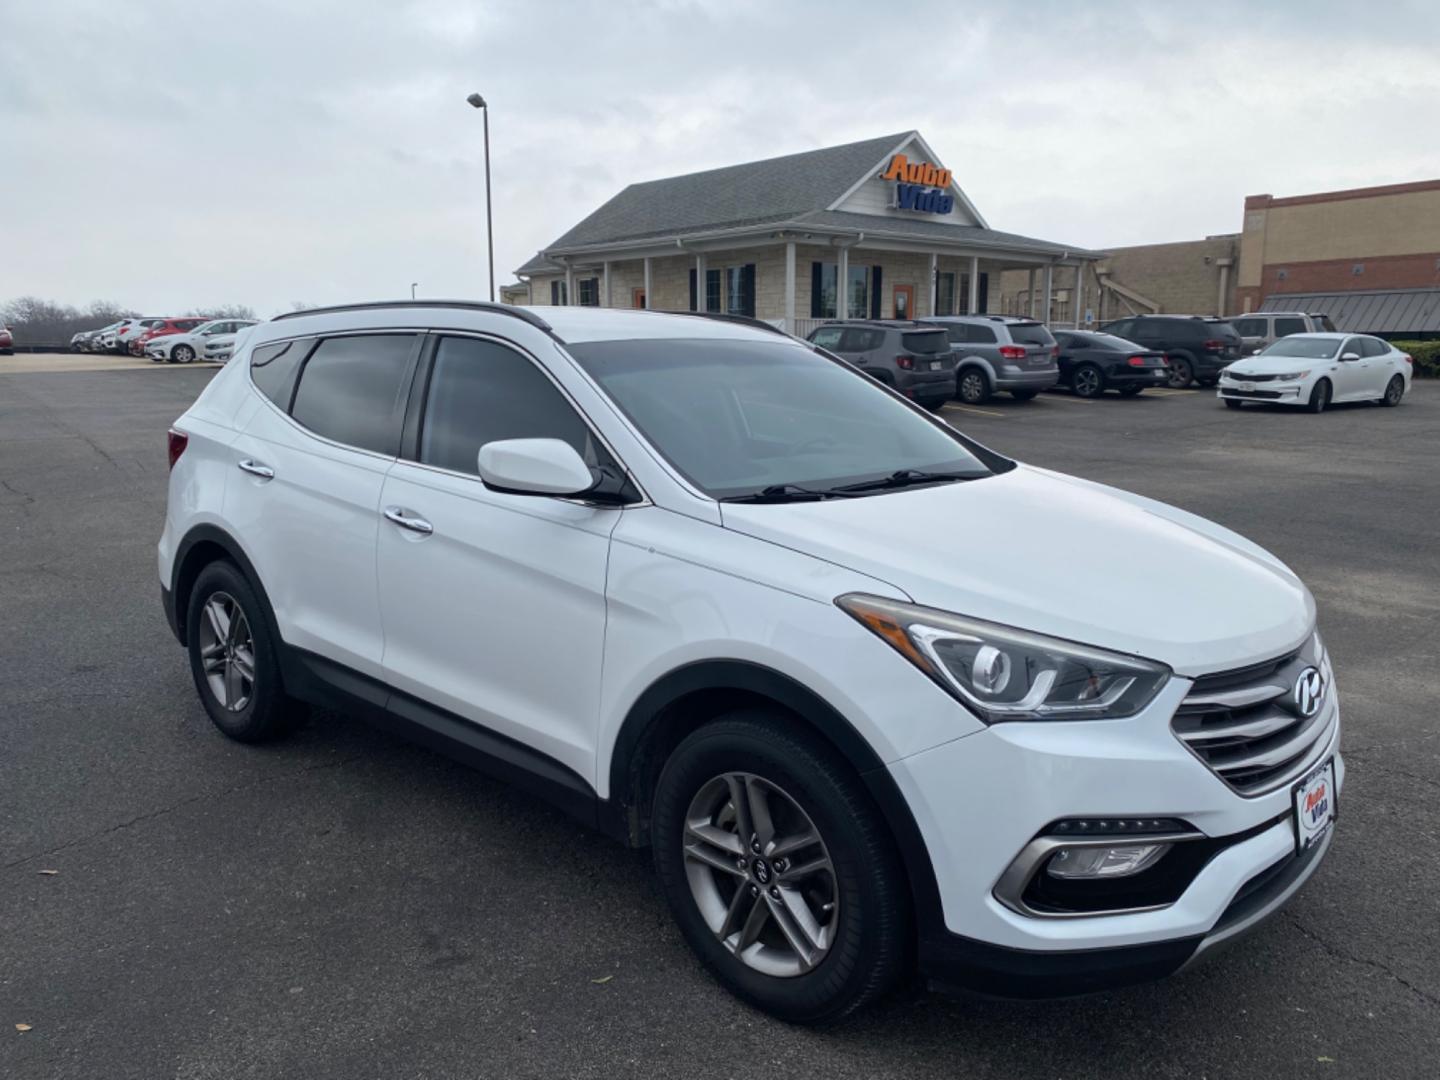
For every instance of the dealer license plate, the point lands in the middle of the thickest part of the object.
(936, 365)
(1315, 804)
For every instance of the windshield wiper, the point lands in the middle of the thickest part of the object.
(907, 478)
(778, 493)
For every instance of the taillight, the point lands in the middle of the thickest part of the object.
(905, 362)
(1054, 352)
(1213, 346)
(1013, 352)
(178, 440)
(1407, 358)
(1136, 361)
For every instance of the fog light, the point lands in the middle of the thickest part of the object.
(1104, 862)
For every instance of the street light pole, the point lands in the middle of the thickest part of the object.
(479, 102)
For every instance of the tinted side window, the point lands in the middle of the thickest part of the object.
(273, 368)
(480, 392)
(980, 335)
(353, 389)
(828, 337)
(1249, 327)
(1124, 328)
(1290, 325)
(1374, 347)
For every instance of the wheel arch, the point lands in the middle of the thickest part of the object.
(197, 549)
(682, 700)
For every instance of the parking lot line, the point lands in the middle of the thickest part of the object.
(1068, 400)
(972, 409)
(1167, 391)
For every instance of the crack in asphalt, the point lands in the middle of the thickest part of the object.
(8, 486)
(207, 796)
(1341, 954)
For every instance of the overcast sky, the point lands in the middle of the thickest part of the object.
(170, 155)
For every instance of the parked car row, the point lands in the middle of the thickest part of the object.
(7, 342)
(193, 336)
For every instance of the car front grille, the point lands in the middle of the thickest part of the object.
(1254, 378)
(1246, 726)
(1264, 395)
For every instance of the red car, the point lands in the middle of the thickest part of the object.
(7, 342)
(165, 327)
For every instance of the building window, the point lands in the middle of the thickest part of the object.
(735, 290)
(945, 294)
(589, 290)
(558, 295)
(824, 303)
(859, 292)
(712, 290)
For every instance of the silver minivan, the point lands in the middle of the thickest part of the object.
(1000, 352)
(1261, 329)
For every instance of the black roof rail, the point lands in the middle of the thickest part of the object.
(739, 320)
(523, 314)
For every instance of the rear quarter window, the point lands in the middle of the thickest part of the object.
(1291, 325)
(273, 368)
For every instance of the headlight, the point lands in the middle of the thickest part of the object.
(1291, 375)
(1001, 673)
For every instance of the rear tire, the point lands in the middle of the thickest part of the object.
(234, 658)
(1319, 397)
(972, 386)
(1394, 391)
(1182, 372)
(755, 928)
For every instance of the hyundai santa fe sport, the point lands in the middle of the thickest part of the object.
(722, 595)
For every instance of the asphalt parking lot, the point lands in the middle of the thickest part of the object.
(345, 905)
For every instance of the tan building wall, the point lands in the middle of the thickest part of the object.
(1362, 239)
(1184, 277)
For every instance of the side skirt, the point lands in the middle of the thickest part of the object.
(325, 683)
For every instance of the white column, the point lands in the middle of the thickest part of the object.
(647, 281)
(1030, 294)
(1079, 295)
(842, 285)
(972, 302)
(700, 281)
(569, 285)
(934, 281)
(1049, 291)
(1224, 293)
(605, 300)
(790, 286)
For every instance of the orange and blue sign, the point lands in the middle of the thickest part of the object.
(919, 185)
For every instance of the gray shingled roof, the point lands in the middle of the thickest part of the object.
(1398, 311)
(792, 191)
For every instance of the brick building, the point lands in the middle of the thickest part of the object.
(875, 229)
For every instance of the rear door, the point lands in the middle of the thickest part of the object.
(494, 608)
(1037, 341)
(309, 467)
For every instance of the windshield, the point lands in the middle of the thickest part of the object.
(1308, 347)
(736, 417)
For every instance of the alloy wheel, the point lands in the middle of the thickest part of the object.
(1394, 390)
(1180, 374)
(227, 652)
(972, 386)
(1087, 382)
(183, 354)
(760, 874)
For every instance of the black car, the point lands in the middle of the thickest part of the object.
(1092, 362)
(1196, 346)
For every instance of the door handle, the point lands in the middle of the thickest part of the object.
(407, 519)
(254, 468)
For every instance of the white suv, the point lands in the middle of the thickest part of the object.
(716, 593)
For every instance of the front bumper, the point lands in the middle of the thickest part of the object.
(1027, 380)
(1269, 393)
(979, 800)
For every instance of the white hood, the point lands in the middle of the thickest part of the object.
(1060, 556)
(1273, 365)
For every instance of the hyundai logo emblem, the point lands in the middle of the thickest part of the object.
(1309, 693)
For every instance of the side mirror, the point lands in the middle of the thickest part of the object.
(535, 467)
(1256, 352)
(1350, 356)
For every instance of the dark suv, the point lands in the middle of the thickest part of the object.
(1196, 347)
(913, 358)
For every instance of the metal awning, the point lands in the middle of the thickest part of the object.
(1400, 311)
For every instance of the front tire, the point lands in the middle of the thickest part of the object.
(234, 658)
(778, 868)
(1394, 391)
(1088, 381)
(972, 387)
(182, 354)
(1319, 397)
(1232, 403)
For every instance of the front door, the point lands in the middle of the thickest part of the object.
(637, 299)
(904, 302)
(1351, 378)
(494, 603)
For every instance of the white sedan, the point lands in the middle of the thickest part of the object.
(214, 340)
(1316, 370)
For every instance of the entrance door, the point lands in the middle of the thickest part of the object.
(637, 299)
(904, 302)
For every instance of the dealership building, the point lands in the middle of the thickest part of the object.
(877, 229)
